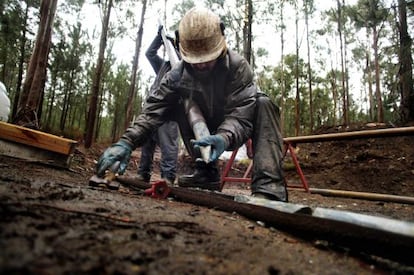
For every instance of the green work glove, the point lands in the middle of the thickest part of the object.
(120, 151)
(217, 142)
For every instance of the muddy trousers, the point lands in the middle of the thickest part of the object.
(267, 174)
(166, 136)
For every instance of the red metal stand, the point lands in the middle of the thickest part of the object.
(291, 150)
(288, 147)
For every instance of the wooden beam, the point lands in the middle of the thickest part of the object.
(402, 131)
(36, 139)
(33, 154)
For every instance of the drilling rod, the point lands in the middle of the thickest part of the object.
(194, 114)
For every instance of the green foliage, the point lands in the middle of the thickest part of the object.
(368, 13)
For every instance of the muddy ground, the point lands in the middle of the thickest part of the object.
(52, 222)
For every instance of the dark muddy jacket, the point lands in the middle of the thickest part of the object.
(226, 98)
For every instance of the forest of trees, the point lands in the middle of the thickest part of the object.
(350, 63)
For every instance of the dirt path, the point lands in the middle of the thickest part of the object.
(52, 222)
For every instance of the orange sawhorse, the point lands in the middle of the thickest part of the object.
(288, 148)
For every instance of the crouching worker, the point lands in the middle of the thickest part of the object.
(221, 82)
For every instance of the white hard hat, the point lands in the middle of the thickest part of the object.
(201, 37)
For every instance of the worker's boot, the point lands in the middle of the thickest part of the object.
(275, 191)
(205, 176)
(145, 177)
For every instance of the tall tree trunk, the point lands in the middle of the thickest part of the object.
(132, 88)
(306, 3)
(50, 107)
(378, 96)
(297, 99)
(31, 97)
(53, 84)
(115, 128)
(91, 119)
(406, 66)
(341, 44)
(247, 31)
(334, 88)
(333, 80)
(21, 64)
(66, 101)
(370, 90)
(346, 76)
(282, 57)
(100, 107)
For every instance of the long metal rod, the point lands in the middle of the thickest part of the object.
(362, 195)
(402, 131)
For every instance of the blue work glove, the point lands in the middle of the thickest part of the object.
(218, 145)
(120, 151)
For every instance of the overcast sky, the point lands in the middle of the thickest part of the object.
(124, 48)
(265, 36)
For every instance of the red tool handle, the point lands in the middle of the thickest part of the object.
(158, 190)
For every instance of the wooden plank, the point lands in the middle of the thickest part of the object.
(36, 138)
(33, 154)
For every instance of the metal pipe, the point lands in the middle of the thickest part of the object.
(402, 131)
(199, 126)
(383, 237)
(363, 195)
